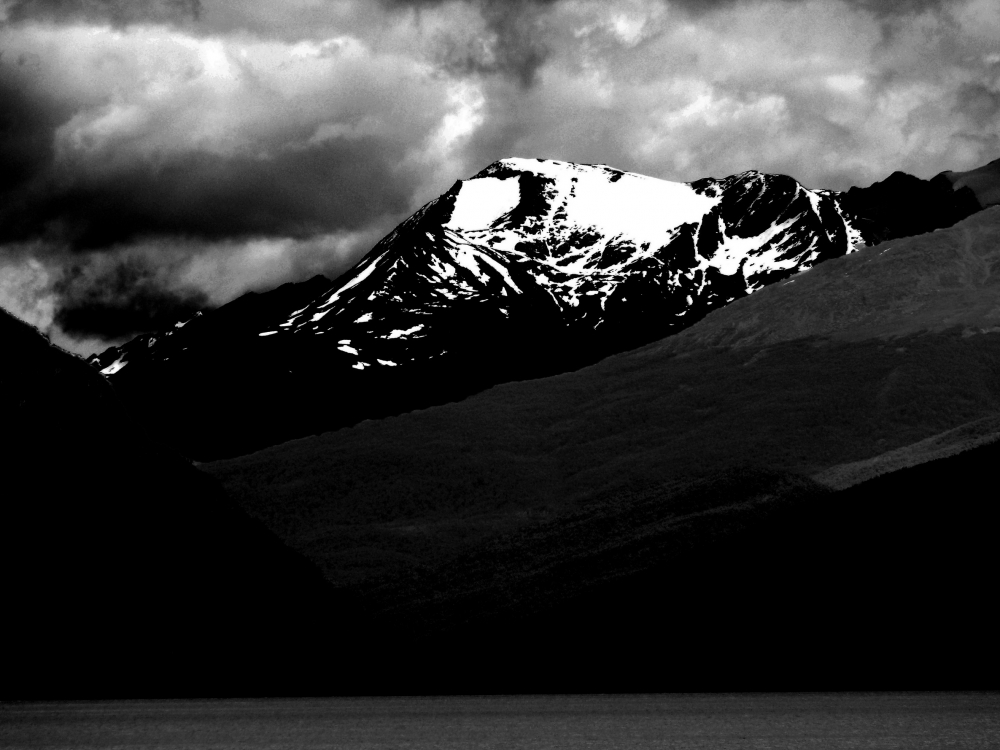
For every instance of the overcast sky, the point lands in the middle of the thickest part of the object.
(158, 157)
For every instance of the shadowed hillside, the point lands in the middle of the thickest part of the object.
(751, 581)
(951, 442)
(546, 518)
(126, 571)
(385, 494)
(646, 523)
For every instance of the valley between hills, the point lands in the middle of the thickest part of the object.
(791, 491)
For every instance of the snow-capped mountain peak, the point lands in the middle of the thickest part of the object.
(534, 266)
(587, 245)
(587, 236)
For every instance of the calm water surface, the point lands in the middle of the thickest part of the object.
(684, 722)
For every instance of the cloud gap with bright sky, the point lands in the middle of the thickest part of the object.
(157, 157)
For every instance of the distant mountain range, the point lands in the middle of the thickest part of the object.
(529, 268)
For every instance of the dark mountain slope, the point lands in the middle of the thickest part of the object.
(530, 268)
(984, 182)
(198, 388)
(811, 400)
(903, 205)
(546, 517)
(965, 437)
(126, 571)
(385, 496)
(750, 581)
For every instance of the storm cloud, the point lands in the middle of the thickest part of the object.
(156, 156)
(120, 301)
(118, 12)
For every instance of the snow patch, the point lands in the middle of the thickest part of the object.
(115, 366)
(362, 275)
(733, 250)
(397, 333)
(482, 201)
(469, 257)
(641, 208)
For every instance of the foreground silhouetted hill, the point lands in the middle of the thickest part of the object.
(129, 573)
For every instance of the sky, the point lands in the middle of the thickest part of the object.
(163, 156)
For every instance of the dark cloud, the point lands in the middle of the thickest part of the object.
(296, 193)
(887, 8)
(880, 8)
(151, 134)
(119, 301)
(979, 103)
(28, 119)
(116, 12)
(514, 46)
(514, 5)
(513, 42)
(222, 165)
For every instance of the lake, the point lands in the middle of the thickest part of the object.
(682, 722)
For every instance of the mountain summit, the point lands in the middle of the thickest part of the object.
(589, 246)
(529, 268)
